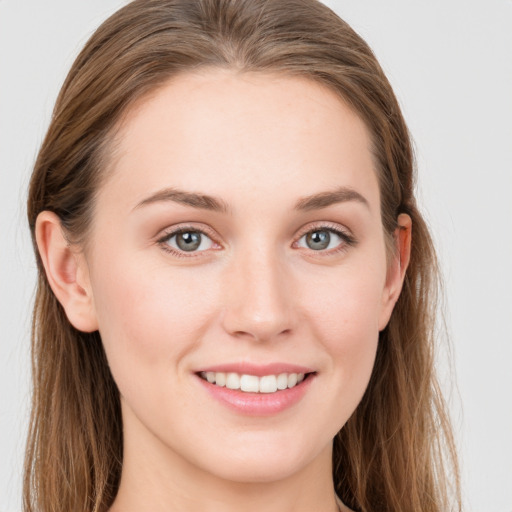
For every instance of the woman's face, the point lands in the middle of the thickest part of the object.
(239, 234)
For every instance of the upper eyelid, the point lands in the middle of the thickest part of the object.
(329, 226)
(171, 231)
(168, 232)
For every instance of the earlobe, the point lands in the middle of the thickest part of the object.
(397, 268)
(66, 271)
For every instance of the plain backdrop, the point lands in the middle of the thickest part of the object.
(450, 63)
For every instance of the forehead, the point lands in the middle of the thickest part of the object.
(227, 133)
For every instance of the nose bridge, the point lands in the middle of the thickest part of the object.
(259, 303)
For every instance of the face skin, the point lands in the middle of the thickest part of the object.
(254, 291)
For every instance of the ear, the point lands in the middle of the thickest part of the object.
(66, 271)
(396, 268)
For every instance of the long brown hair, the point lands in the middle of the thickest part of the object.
(396, 452)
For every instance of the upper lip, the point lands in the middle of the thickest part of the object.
(259, 370)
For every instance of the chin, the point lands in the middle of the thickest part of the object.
(258, 470)
(264, 461)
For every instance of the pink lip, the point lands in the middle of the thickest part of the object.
(258, 404)
(256, 369)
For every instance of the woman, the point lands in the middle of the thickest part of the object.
(236, 289)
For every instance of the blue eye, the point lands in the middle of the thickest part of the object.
(323, 239)
(191, 241)
(188, 241)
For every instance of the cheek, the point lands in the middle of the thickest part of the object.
(344, 311)
(346, 304)
(149, 317)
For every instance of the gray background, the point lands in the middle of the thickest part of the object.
(450, 62)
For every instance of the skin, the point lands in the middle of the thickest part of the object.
(255, 291)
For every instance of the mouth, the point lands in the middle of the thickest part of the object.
(252, 389)
(247, 383)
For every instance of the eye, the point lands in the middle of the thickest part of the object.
(187, 240)
(322, 239)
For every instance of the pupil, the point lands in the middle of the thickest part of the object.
(188, 241)
(318, 240)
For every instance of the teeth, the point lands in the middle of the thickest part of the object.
(233, 381)
(249, 383)
(268, 384)
(282, 381)
(252, 383)
(220, 379)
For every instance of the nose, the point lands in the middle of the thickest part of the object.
(259, 304)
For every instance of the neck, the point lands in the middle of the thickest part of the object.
(157, 478)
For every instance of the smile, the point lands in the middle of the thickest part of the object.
(252, 383)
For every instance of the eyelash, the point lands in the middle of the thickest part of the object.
(347, 240)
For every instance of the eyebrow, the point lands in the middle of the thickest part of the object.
(196, 200)
(207, 202)
(325, 199)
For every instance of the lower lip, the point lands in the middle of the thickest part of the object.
(258, 404)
